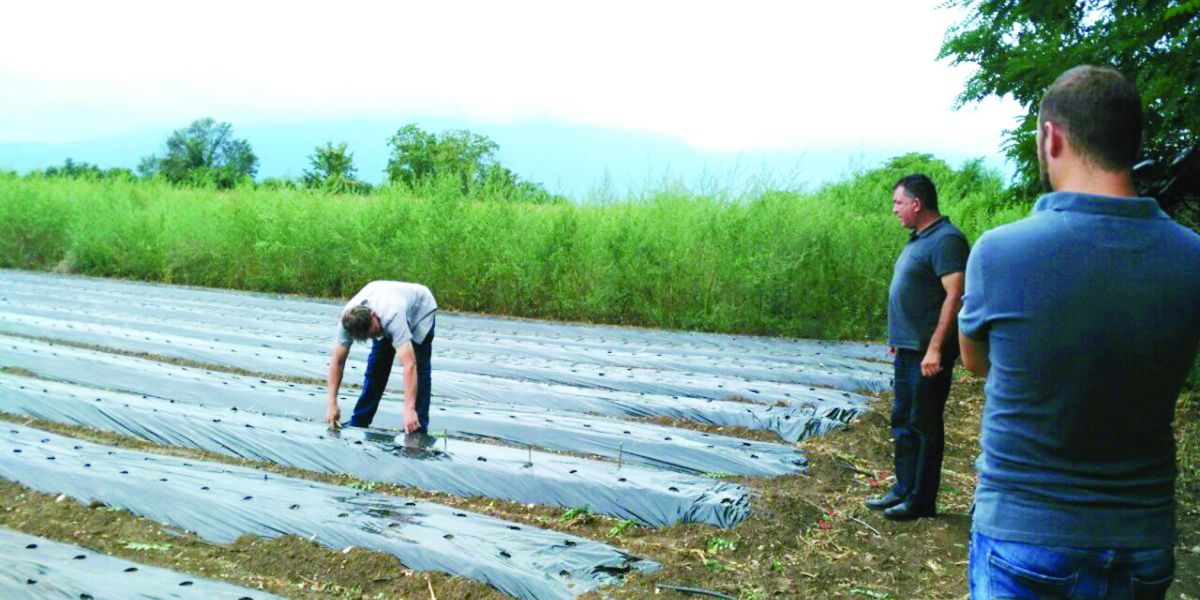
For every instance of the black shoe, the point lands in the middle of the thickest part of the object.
(907, 511)
(887, 500)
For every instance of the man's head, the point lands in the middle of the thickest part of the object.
(914, 201)
(360, 323)
(1090, 116)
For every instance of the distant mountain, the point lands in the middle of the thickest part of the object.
(567, 159)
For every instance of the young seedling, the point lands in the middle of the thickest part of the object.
(619, 528)
(366, 486)
(575, 513)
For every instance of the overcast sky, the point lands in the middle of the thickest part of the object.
(722, 76)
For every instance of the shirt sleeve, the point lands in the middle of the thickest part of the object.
(974, 318)
(342, 338)
(950, 255)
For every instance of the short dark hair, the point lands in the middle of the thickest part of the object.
(1101, 112)
(357, 322)
(920, 186)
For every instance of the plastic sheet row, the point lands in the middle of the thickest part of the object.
(219, 307)
(34, 567)
(792, 416)
(221, 503)
(645, 444)
(458, 467)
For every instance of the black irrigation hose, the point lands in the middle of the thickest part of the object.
(692, 591)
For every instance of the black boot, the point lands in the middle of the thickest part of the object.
(908, 510)
(887, 500)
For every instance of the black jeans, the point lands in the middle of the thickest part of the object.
(919, 426)
(379, 369)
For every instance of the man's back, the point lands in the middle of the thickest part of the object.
(1091, 307)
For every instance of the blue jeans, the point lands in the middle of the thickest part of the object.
(379, 368)
(919, 427)
(1000, 569)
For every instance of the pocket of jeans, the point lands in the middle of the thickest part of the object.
(1150, 590)
(1010, 580)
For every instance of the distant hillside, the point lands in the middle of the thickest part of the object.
(571, 160)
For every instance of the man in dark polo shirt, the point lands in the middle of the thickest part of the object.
(1085, 318)
(923, 303)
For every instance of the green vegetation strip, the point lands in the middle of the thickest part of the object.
(797, 264)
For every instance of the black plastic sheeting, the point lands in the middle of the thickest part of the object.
(799, 412)
(458, 467)
(34, 567)
(237, 309)
(658, 446)
(653, 361)
(221, 503)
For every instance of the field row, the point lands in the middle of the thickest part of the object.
(525, 412)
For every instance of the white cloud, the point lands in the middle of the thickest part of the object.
(720, 75)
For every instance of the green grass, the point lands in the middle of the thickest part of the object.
(811, 264)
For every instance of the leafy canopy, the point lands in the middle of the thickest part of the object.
(1021, 46)
(331, 168)
(418, 155)
(203, 153)
(465, 160)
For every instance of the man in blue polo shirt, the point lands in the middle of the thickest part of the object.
(1085, 318)
(923, 301)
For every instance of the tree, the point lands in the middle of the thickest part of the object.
(74, 170)
(332, 169)
(1021, 46)
(204, 153)
(418, 155)
(465, 158)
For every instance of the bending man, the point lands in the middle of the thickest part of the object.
(399, 317)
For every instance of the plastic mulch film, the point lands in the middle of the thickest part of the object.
(221, 503)
(34, 567)
(700, 365)
(221, 307)
(659, 446)
(798, 411)
(614, 368)
(458, 467)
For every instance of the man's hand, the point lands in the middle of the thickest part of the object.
(333, 416)
(411, 422)
(932, 363)
(892, 351)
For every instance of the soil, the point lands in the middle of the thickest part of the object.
(809, 536)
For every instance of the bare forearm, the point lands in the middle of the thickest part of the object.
(947, 322)
(333, 380)
(410, 386)
(974, 355)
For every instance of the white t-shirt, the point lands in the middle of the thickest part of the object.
(406, 310)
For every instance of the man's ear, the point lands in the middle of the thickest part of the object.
(919, 205)
(1053, 139)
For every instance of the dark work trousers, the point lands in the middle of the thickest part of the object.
(919, 426)
(379, 368)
